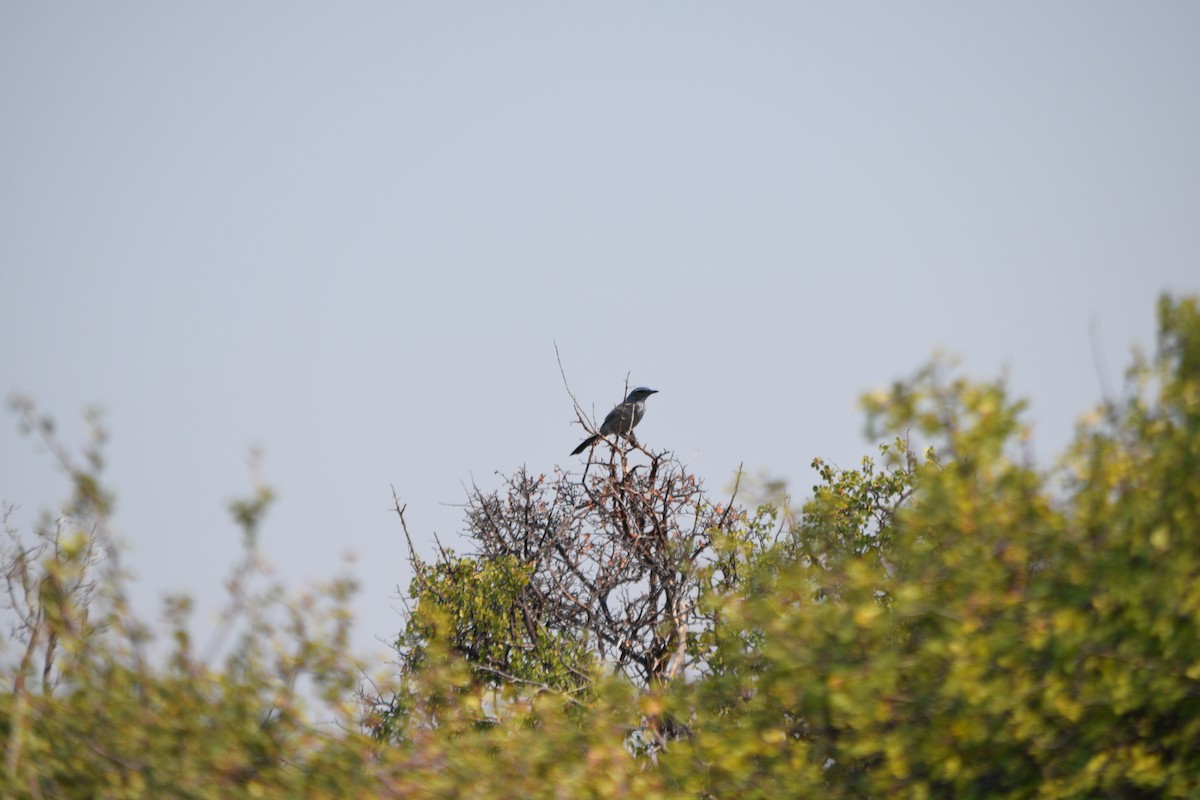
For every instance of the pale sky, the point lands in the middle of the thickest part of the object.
(351, 234)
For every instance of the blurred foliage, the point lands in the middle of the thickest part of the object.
(944, 620)
(998, 632)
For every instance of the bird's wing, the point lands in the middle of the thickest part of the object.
(612, 423)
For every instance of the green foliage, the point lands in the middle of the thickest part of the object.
(86, 712)
(851, 516)
(1013, 638)
(945, 620)
(474, 604)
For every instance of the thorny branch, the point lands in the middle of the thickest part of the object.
(614, 556)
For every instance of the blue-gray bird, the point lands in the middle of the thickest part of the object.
(622, 419)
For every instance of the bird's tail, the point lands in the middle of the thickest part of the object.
(588, 442)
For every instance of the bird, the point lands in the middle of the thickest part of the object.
(622, 419)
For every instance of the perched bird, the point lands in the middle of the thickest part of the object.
(622, 419)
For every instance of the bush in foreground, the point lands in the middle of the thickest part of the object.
(945, 621)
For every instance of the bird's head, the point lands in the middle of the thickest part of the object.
(639, 394)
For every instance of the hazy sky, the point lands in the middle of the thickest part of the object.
(352, 233)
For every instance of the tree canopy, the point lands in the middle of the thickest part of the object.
(946, 618)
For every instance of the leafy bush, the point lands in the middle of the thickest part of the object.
(998, 632)
(947, 620)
